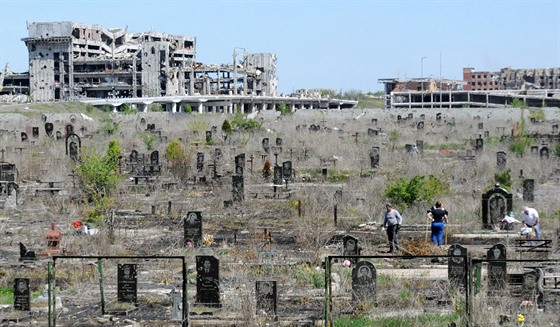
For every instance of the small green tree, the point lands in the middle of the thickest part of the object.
(394, 136)
(504, 178)
(178, 160)
(406, 192)
(188, 109)
(149, 140)
(113, 156)
(284, 109)
(226, 127)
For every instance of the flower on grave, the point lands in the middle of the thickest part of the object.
(189, 245)
(346, 263)
(208, 240)
(520, 318)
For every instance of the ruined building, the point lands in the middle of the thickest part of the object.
(69, 61)
(512, 79)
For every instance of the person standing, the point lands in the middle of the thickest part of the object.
(438, 215)
(392, 223)
(530, 217)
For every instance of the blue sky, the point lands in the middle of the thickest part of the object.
(340, 45)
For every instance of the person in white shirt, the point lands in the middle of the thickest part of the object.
(530, 217)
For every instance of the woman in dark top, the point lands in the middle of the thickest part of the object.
(438, 215)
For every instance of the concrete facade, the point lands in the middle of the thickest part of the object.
(73, 61)
(512, 79)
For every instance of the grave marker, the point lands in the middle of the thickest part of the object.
(49, 128)
(497, 270)
(479, 144)
(374, 156)
(69, 129)
(176, 306)
(265, 145)
(544, 153)
(193, 229)
(73, 146)
(35, 132)
(287, 170)
(457, 267)
(364, 282)
(420, 146)
(127, 283)
(528, 190)
(240, 164)
(238, 188)
(208, 281)
(496, 203)
(279, 141)
(420, 126)
(350, 246)
(22, 294)
(200, 161)
(266, 298)
(24, 136)
(501, 160)
(532, 289)
(208, 137)
(277, 179)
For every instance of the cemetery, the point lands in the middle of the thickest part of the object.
(219, 219)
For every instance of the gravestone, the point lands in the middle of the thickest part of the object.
(22, 294)
(277, 179)
(410, 116)
(420, 125)
(479, 144)
(208, 137)
(364, 282)
(35, 132)
(374, 121)
(154, 158)
(217, 154)
(59, 135)
(534, 149)
(193, 229)
(176, 306)
(350, 246)
(555, 129)
(399, 118)
(266, 298)
(238, 192)
(142, 121)
(133, 158)
(24, 136)
(408, 148)
(214, 130)
(279, 141)
(480, 125)
(501, 160)
(438, 116)
(127, 283)
(528, 190)
(457, 266)
(420, 146)
(287, 170)
(49, 128)
(265, 145)
(73, 146)
(240, 164)
(496, 203)
(533, 287)
(371, 132)
(486, 134)
(314, 128)
(200, 161)
(497, 270)
(544, 153)
(208, 281)
(151, 127)
(324, 172)
(69, 129)
(374, 156)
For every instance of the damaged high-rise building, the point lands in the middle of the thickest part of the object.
(70, 60)
(512, 79)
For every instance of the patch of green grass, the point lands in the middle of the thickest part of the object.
(426, 320)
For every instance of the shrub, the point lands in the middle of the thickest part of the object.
(188, 109)
(284, 109)
(244, 124)
(226, 127)
(178, 160)
(405, 192)
(504, 178)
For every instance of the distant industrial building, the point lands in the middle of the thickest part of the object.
(512, 79)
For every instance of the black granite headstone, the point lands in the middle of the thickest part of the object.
(479, 144)
(193, 229)
(374, 157)
(528, 190)
(544, 153)
(240, 164)
(208, 137)
(35, 132)
(265, 145)
(127, 283)
(364, 282)
(457, 266)
(287, 170)
(154, 158)
(420, 125)
(208, 281)
(496, 203)
(266, 298)
(277, 180)
(480, 125)
(73, 146)
(497, 270)
(49, 128)
(350, 246)
(24, 136)
(279, 141)
(69, 129)
(200, 161)
(22, 294)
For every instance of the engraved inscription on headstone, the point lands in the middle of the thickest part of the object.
(35, 132)
(528, 190)
(457, 266)
(193, 229)
(497, 270)
(364, 282)
(22, 294)
(127, 280)
(208, 281)
(266, 298)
